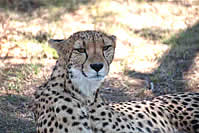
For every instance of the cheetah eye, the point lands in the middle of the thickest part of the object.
(81, 50)
(107, 47)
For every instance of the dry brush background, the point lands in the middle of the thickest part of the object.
(157, 49)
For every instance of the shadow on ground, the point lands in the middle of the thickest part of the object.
(17, 84)
(18, 78)
(15, 117)
(114, 93)
(169, 76)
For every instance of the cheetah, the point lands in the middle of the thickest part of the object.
(69, 102)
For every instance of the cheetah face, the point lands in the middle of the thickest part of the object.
(91, 58)
(88, 55)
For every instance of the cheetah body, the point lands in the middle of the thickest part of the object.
(69, 101)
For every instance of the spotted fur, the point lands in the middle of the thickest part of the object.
(69, 101)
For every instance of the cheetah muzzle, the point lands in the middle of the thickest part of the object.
(69, 101)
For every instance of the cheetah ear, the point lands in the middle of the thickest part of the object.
(57, 44)
(113, 37)
(63, 48)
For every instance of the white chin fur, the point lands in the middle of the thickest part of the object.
(86, 85)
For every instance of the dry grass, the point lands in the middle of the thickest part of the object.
(157, 47)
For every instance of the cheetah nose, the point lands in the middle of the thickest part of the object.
(97, 67)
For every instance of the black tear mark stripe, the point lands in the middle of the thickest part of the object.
(93, 39)
(84, 61)
(84, 44)
(103, 53)
(69, 57)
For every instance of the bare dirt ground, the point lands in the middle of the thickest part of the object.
(157, 50)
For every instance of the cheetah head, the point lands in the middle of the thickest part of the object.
(87, 55)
